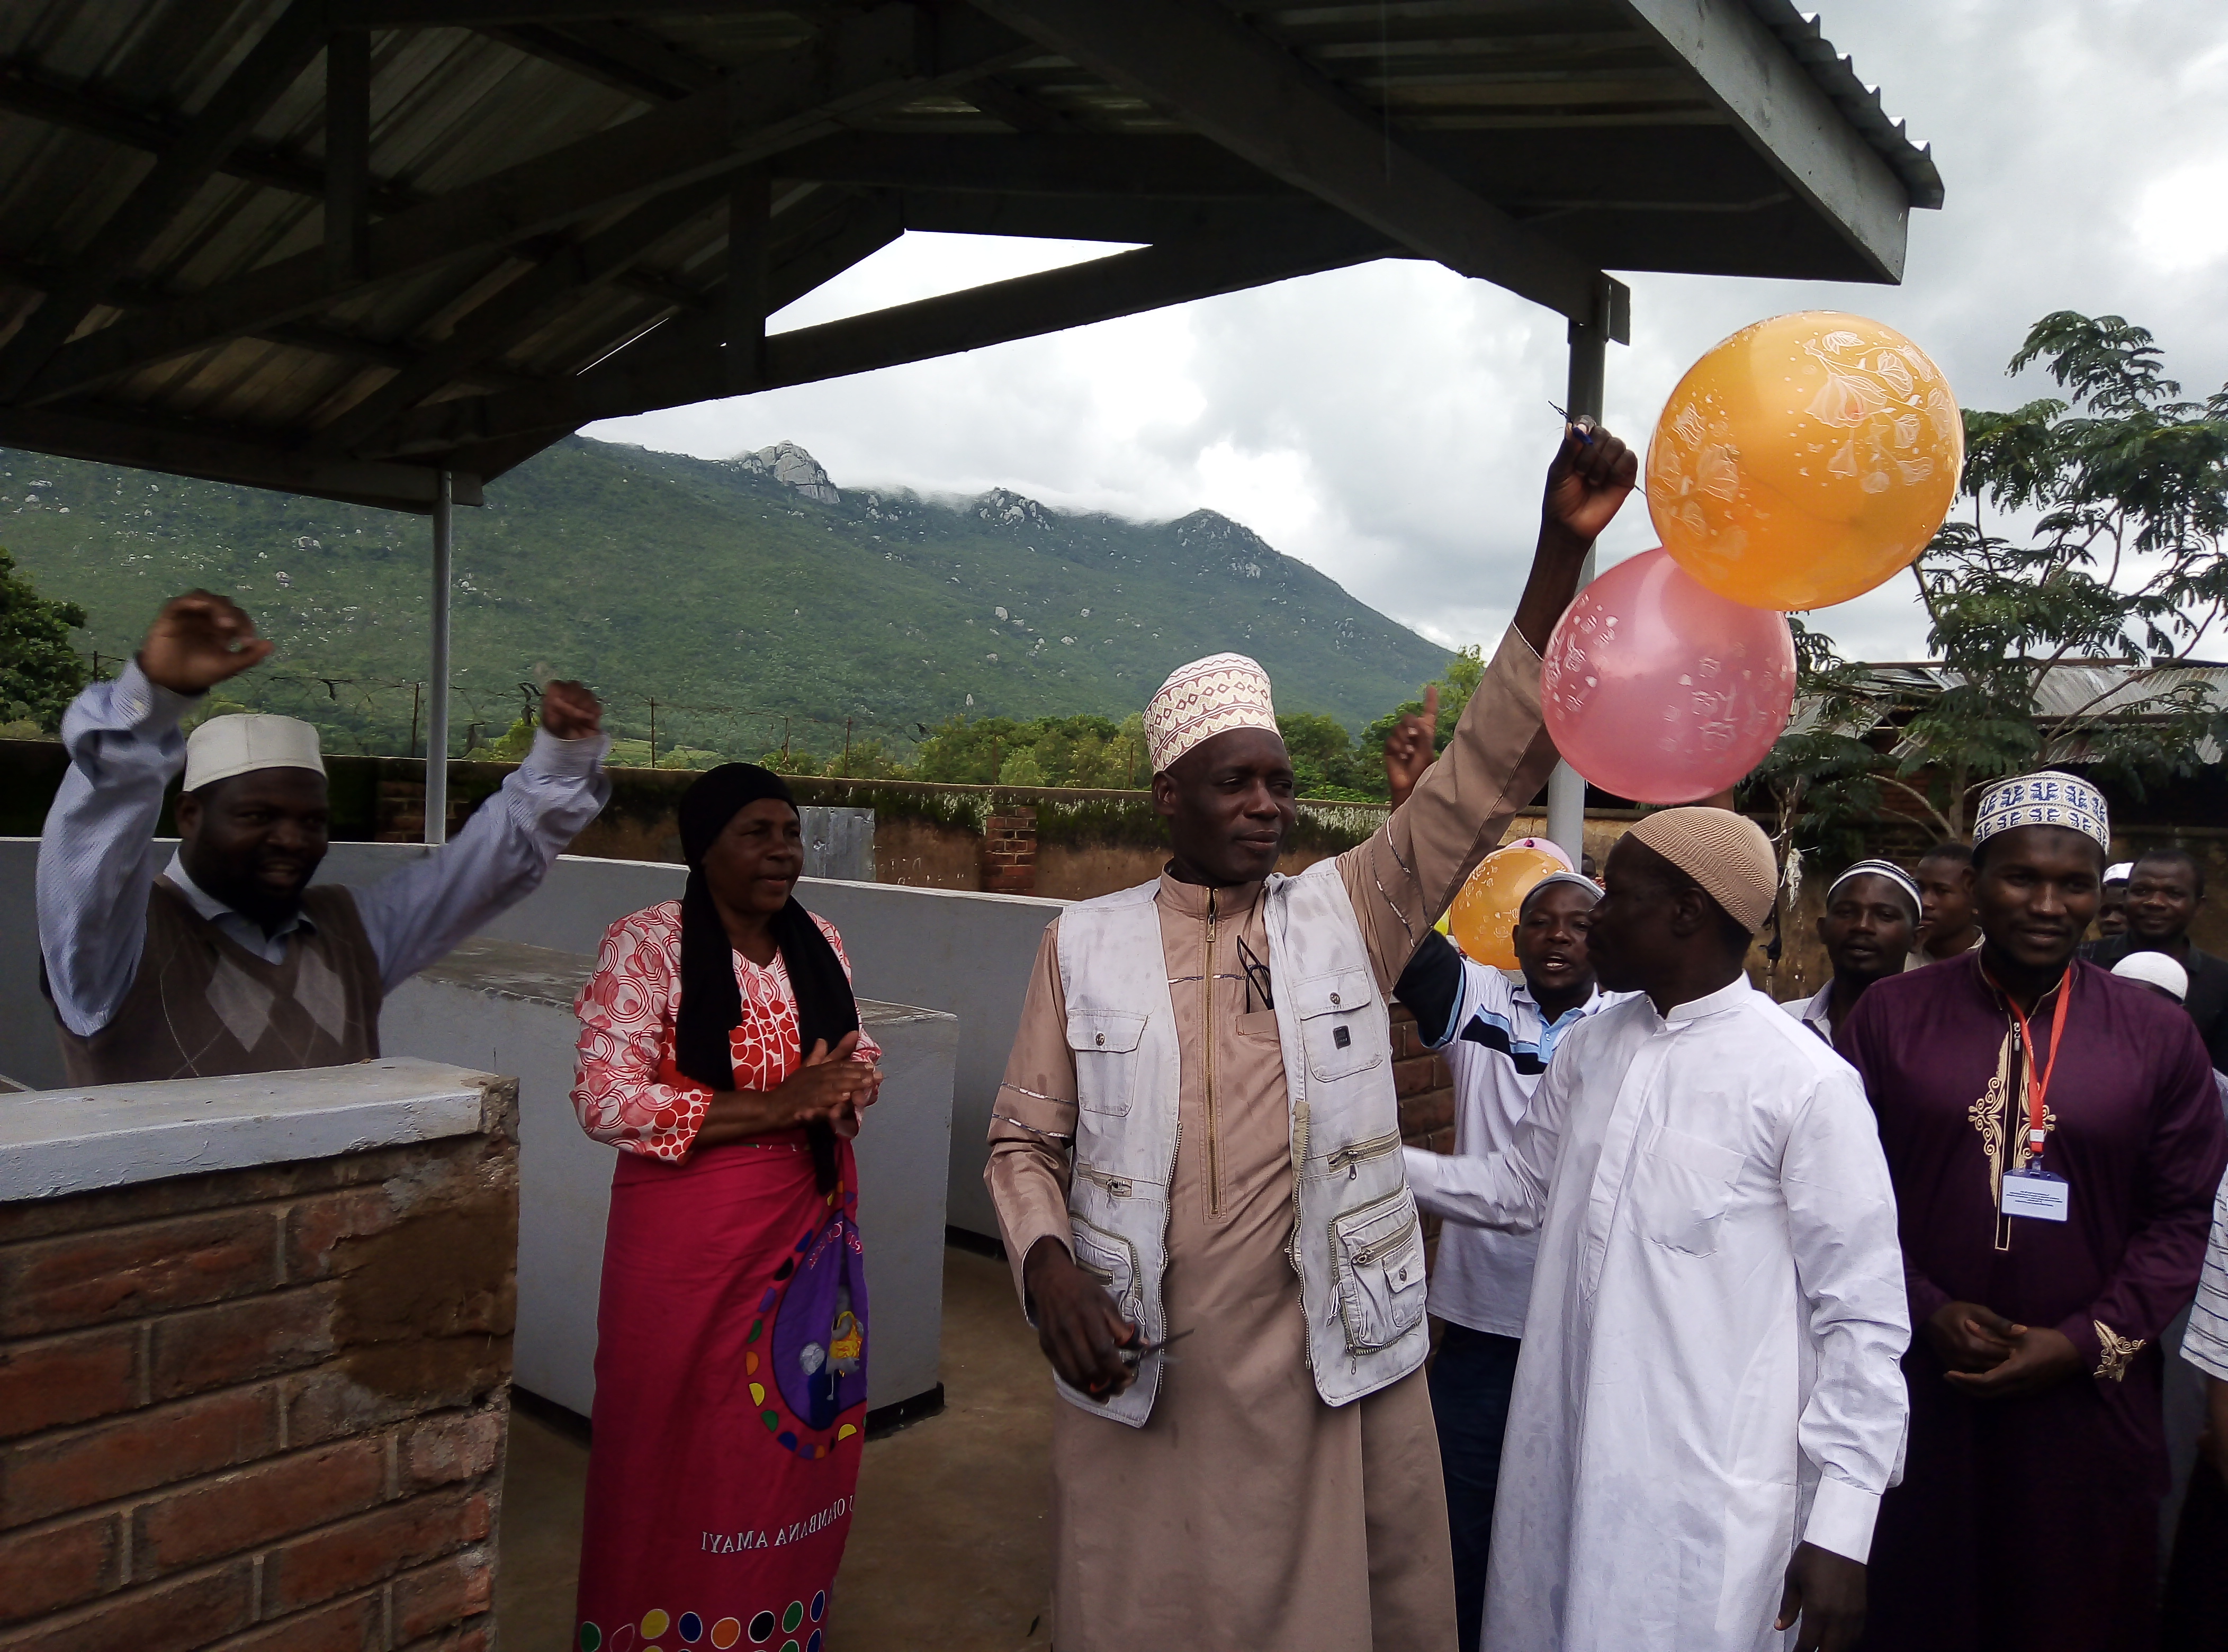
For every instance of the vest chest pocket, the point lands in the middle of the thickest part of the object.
(1112, 1260)
(1104, 1045)
(1379, 1252)
(1340, 1037)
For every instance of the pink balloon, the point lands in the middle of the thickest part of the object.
(1659, 690)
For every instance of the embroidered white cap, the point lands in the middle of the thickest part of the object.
(1204, 699)
(240, 743)
(2155, 969)
(2047, 798)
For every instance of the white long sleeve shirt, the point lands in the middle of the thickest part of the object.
(1710, 1371)
(97, 856)
(1497, 1043)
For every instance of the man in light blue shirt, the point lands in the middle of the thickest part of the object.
(228, 961)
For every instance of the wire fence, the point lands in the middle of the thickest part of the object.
(373, 716)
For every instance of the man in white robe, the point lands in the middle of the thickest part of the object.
(1708, 1405)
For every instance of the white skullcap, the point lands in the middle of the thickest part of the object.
(1727, 854)
(1888, 869)
(1579, 879)
(1204, 699)
(2155, 969)
(2050, 798)
(224, 747)
(2119, 871)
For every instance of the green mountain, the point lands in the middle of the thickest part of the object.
(749, 598)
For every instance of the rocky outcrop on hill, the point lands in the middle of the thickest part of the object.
(791, 466)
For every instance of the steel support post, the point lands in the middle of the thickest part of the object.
(1566, 792)
(437, 710)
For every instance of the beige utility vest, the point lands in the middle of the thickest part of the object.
(1356, 1241)
(202, 1006)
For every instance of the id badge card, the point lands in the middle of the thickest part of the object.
(2035, 1193)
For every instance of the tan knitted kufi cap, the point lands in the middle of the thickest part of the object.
(1727, 854)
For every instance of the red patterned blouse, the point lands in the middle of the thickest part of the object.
(626, 1088)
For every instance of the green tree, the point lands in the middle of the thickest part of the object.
(866, 759)
(517, 740)
(965, 751)
(1456, 685)
(41, 671)
(1326, 763)
(2128, 483)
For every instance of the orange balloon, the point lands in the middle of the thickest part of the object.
(1483, 917)
(1805, 460)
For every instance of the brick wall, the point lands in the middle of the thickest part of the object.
(260, 1408)
(1010, 853)
(1425, 1087)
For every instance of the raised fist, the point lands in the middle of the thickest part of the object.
(199, 640)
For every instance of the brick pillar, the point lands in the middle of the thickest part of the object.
(1010, 853)
(1426, 1089)
(401, 816)
(264, 1407)
(1424, 1085)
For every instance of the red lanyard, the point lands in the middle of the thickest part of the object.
(2037, 1085)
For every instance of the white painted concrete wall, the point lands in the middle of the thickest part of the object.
(951, 949)
(509, 1006)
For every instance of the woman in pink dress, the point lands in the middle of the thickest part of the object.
(720, 1052)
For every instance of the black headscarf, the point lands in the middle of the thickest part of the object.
(711, 1002)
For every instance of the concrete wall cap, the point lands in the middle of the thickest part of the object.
(58, 1141)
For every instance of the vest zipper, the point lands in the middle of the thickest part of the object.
(1214, 1133)
(1385, 1246)
(1347, 1158)
(1118, 1186)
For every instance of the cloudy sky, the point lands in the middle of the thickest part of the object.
(1388, 424)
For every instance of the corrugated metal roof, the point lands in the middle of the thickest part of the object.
(2075, 692)
(1803, 35)
(1571, 118)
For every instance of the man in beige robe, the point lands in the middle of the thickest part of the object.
(1246, 1512)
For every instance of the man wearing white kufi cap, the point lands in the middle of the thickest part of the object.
(2055, 1137)
(1707, 1407)
(1198, 1137)
(230, 961)
(1868, 928)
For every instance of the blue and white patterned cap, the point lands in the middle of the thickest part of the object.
(2050, 798)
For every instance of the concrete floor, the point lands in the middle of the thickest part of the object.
(949, 1550)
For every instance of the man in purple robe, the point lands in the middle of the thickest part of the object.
(2055, 1139)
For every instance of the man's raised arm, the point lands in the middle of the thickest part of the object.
(1408, 874)
(97, 850)
(417, 915)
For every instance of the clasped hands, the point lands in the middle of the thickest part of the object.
(1991, 1358)
(830, 1088)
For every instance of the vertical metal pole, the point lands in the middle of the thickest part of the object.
(1566, 792)
(436, 711)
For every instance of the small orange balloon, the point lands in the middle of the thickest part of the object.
(1805, 460)
(1483, 917)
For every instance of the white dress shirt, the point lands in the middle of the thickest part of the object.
(2205, 1344)
(1815, 1012)
(97, 853)
(1710, 1371)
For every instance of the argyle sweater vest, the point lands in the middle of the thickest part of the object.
(203, 1006)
